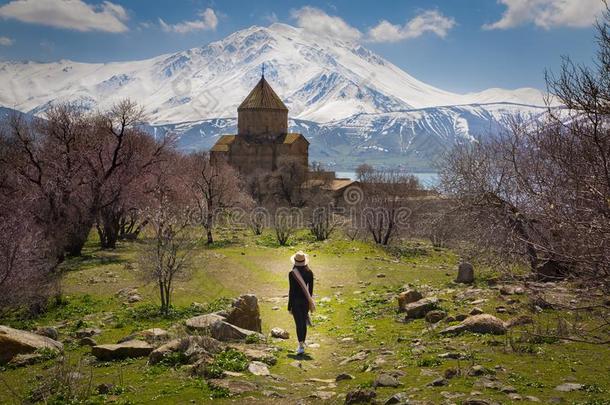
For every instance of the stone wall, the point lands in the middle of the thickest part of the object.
(262, 122)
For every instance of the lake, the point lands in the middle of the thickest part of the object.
(428, 180)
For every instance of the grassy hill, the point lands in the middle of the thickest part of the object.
(356, 284)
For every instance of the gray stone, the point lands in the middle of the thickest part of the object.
(15, 341)
(216, 326)
(47, 331)
(87, 341)
(280, 333)
(132, 348)
(398, 398)
(465, 273)
(483, 323)
(258, 368)
(235, 387)
(477, 370)
(360, 396)
(476, 311)
(420, 308)
(87, 332)
(245, 313)
(439, 382)
(435, 316)
(407, 297)
(386, 380)
(568, 387)
(344, 377)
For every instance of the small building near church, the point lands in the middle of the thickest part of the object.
(262, 141)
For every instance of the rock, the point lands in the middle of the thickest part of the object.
(47, 331)
(475, 401)
(216, 326)
(420, 308)
(386, 380)
(483, 323)
(245, 313)
(519, 320)
(132, 348)
(501, 310)
(465, 273)
(398, 398)
(154, 335)
(87, 341)
(477, 370)
(134, 298)
(258, 368)
(323, 395)
(451, 355)
(87, 332)
(460, 317)
(435, 316)
(15, 341)
(360, 396)
(258, 355)
(203, 323)
(508, 389)
(476, 311)
(515, 397)
(439, 382)
(280, 333)
(22, 360)
(235, 387)
(192, 346)
(356, 357)
(104, 388)
(450, 373)
(407, 297)
(532, 398)
(568, 387)
(344, 377)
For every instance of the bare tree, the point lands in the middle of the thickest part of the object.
(216, 187)
(166, 258)
(541, 189)
(389, 198)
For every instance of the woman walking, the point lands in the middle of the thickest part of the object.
(300, 300)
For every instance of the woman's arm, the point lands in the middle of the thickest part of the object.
(311, 285)
(290, 291)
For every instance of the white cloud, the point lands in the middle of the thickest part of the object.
(428, 21)
(6, 41)
(208, 21)
(318, 22)
(548, 13)
(69, 14)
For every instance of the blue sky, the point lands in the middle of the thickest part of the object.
(457, 45)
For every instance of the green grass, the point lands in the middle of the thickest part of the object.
(358, 314)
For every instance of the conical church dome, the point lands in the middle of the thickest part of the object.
(262, 96)
(262, 113)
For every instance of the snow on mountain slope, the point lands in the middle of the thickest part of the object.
(417, 136)
(320, 79)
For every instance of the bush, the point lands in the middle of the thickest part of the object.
(228, 360)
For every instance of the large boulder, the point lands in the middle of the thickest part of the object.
(245, 313)
(407, 297)
(465, 273)
(483, 323)
(192, 347)
(420, 308)
(132, 348)
(15, 341)
(219, 328)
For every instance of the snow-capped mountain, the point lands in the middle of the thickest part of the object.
(342, 91)
(411, 138)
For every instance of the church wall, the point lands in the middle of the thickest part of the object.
(261, 122)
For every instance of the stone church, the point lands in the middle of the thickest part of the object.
(262, 140)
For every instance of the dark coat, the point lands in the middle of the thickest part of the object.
(296, 294)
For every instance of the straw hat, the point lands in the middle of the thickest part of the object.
(300, 258)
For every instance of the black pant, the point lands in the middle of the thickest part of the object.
(300, 311)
